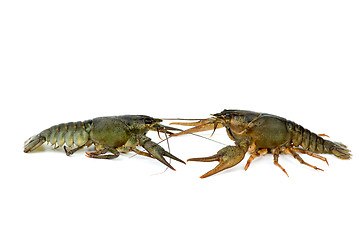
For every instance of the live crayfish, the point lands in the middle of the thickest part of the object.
(260, 133)
(117, 134)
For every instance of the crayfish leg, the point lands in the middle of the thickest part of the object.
(296, 156)
(69, 151)
(254, 155)
(275, 161)
(101, 154)
(310, 154)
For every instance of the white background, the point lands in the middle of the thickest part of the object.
(64, 61)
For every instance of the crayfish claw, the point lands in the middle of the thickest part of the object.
(205, 159)
(158, 152)
(200, 126)
(228, 157)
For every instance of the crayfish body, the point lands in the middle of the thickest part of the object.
(262, 133)
(113, 135)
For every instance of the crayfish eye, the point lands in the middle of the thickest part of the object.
(148, 121)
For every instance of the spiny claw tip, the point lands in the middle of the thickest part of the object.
(172, 168)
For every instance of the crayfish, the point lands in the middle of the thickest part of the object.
(113, 135)
(259, 134)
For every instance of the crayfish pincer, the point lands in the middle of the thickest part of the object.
(110, 135)
(259, 134)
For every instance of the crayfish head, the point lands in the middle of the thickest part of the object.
(139, 124)
(229, 117)
(236, 120)
(150, 122)
(153, 124)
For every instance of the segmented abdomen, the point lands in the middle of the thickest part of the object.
(72, 133)
(316, 144)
